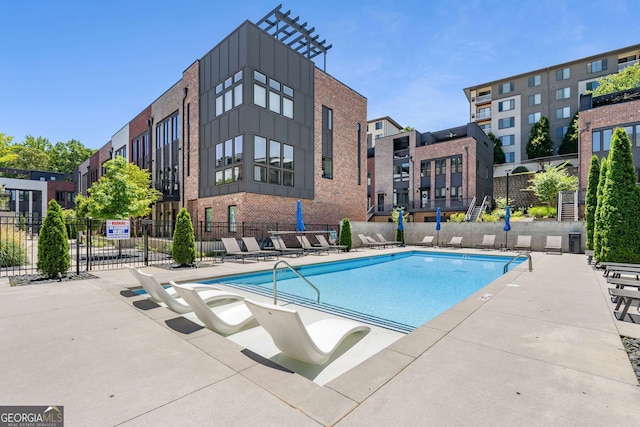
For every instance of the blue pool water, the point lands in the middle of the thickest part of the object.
(398, 291)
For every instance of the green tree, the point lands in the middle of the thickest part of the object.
(498, 154)
(345, 234)
(67, 156)
(628, 78)
(53, 243)
(407, 129)
(620, 200)
(591, 201)
(540, 143)
(26, 158)
(124, 191)
(184, 241)
(597, 221)
(570, 140)
(546, 185)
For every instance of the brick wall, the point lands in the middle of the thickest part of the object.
(191, 146)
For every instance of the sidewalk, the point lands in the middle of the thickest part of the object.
(544, 349)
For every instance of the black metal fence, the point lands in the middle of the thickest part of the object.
(150, 242)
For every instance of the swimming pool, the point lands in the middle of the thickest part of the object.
(397, 291)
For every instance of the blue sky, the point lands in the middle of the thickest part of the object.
(82, 69)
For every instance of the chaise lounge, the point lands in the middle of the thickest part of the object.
(554, 244)
(455, 241)
(325, 244)
(523, 243)
(426, 241)
(488, 242)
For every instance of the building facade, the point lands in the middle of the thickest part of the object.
(449, 169)
(510, 106)
(381, 127)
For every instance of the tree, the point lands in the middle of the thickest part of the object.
(124, 191)
(184, 241)
(407, 129)
(540, 143)
(628, 78)
(345, 234)
(620, 199)
(570, 140)
(591, 201)
(67, 156)
(597, 222)
(53, 244)
(498, 154)
(546, 185)
(26, 158)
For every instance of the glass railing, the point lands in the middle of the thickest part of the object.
(483, 98)
(624, 65)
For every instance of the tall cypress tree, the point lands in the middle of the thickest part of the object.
(184, 249)
(620, 200)
(592, 199)
(53, 244)
(597, 221)
(345, 234)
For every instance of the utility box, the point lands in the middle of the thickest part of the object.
(575, 243)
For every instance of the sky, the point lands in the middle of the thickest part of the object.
(77, 69)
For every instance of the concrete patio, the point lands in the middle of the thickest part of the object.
(544, 349)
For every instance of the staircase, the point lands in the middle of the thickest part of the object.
(568, 206)
(476, 213)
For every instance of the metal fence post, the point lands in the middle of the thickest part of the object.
(88, 243)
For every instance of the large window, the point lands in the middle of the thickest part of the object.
(510, 157)
(273, 162)
(440, 193)
(327, 142)
(378, 125)
(597, 66)
(535, 99)
(601, 139)
(534, 117)
(508, 140)
(273, 95)
(229, 93)
(560, 131)
(228, 160)
(506, 88)
(425, 168)
(507, 122)
(441, 167)
(563, 74)
(456, 164)
(535, 81)
(563, 93)
(563, 113)
(401, 172)
(592, 85)
(507, 105)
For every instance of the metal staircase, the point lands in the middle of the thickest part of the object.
(568, 206)
(474, 213)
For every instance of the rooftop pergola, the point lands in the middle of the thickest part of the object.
(295, 35)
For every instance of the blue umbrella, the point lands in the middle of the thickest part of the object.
(400, 220)
(299, 221)
(438, 227)
(507, 225)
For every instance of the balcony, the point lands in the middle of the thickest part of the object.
(481, 115)
(624, 65)
(170, 190)
(483, 99)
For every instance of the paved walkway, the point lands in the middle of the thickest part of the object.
(544, 350)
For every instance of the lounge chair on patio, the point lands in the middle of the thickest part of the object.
(325, 244)
(172, 299)
(314, 344)
(554, 244)
(455, 241)
(254, 247)
(426, 241)
(523, 243)
(226, 321)
(232, 248)
(388, 242)
(279, 244)
(626, 297)
(309, 248)
(370, 242)
(488, 242)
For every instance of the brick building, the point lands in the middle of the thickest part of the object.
(250, 128)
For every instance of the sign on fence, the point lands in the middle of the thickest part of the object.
(118, 229)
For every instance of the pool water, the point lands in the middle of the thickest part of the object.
(398, 291)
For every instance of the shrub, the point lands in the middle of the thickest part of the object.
(12, 253)
(520, 169)
(597, 221)
(345, 234)
(542, 212)
(53, 245)
(592, 199)
(457, 217)
(489, 218)
(184, 241)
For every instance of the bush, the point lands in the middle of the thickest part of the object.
(53, 245)
(489, 218)
(457, 217)
(184, 241)
(12, 253)
(345, 234)
(592, 200)
(519, 169)
(542, 212)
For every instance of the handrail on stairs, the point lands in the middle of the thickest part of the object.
(275, 290)
(470, 210)
(518, 255)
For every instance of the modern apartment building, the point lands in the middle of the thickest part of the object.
(510, 106)
(381, 127)
(450, 169)
(250, 128)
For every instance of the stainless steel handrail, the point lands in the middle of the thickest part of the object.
(275, 290)
(527, 254)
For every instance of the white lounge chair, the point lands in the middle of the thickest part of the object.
(370, 242)
(312, 344)
(172, 299)
(226, 322)
(554, 244)
(488, 242)
(455, 241)
(523, 243)
(325, 244)
(426, 241)
(382, 239)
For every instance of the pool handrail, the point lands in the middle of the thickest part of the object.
(275, 290)
(518, 255)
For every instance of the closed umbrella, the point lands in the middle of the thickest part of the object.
(299, 221)
(438, 227)
(401, 225)
(507, 225)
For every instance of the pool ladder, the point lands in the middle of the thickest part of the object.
(520, 254)
(275, 287)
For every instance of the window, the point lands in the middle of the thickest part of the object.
(277, 168)
(440, 193)
(456, 193)
(441, 167)
(456, 164)
(400, 196)
(378, 125)
(596, 66)
(534, 118)
(279, 98)
(535, 81)
(122, 152)
(606, 139)
(563, 113)
(508, 140)
(208, 219)
(486, 127)
(425, 168)
(592, 86)
(229, 93)
(228, 155)
(259, 96)
(327, 142)
(506, 88)
(561, 131)
(507, 122)
(535, 99)
(507, 105)
(401, 172)
(233, 219)
(563, 74)
(595, 141)
(510, 157)
(483, 113)
(563, 93)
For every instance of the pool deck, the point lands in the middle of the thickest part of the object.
(532, 348)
